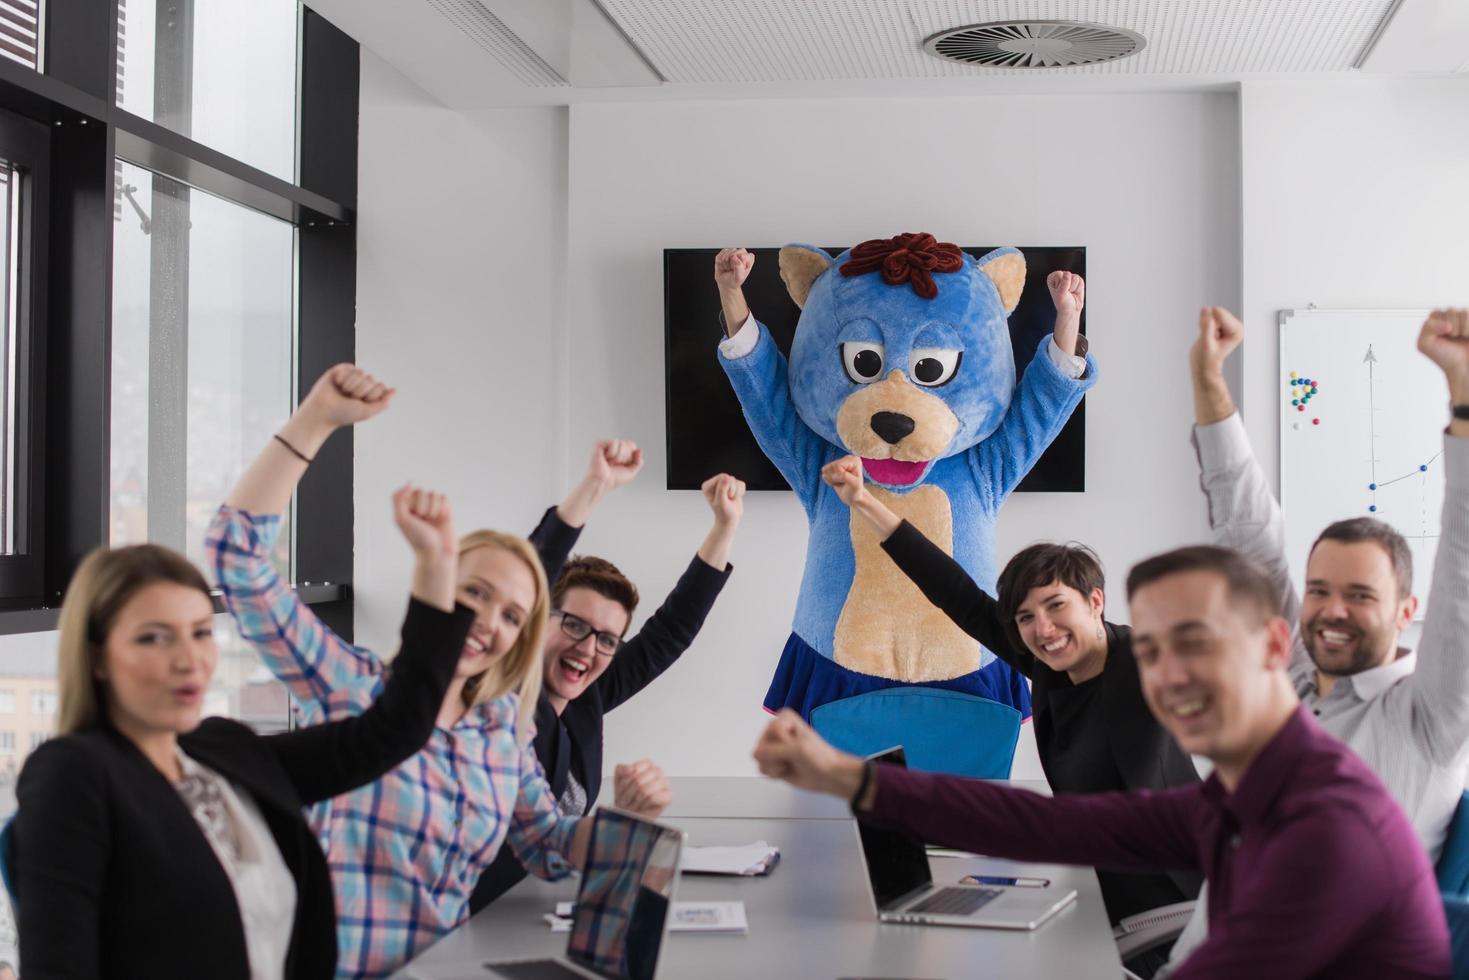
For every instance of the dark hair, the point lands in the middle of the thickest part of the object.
(1246, 580)
(599, 575)
(1073, 565)
(1359, 529)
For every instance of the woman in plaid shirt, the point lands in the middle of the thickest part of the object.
(405, 851)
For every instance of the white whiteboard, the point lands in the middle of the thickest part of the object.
(1368, 440)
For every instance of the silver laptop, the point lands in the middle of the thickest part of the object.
(903, 889)
(622, 905)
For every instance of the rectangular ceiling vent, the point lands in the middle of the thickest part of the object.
(488, 31)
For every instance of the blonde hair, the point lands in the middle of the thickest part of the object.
(103, 584)
(520, 669)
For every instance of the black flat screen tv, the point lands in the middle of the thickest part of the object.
(707, 433)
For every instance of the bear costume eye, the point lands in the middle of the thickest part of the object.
(863, 360)
(935, 366)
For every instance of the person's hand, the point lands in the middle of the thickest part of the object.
(725, 495)
(731, 267)
(640, 787)
(345, 395)
(614, 462)
(1444, 339)
(790, 750)
(426, 520)
(1068, 292)
(1220, 332)
(845, 477)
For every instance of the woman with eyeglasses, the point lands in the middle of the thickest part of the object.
(405, 851)
(590, 669)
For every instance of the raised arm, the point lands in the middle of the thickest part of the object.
(1440, 683)
(329, 759)
(60, 858)
(1243, 513)
(671, 630)
(1118, 831)
(614, 462)
(1054, 382)
(313, 662)
(941, 579)
(757, 370)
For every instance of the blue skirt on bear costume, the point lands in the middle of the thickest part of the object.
(804, 680)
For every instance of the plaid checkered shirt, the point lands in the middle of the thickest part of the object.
(405, 852)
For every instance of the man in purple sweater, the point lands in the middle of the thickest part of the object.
(1312, 869)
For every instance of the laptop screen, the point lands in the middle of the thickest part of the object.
(897, 864)
(625, 896)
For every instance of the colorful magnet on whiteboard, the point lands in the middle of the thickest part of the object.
(1373, 508)
(1371, 486)
(1423, 468)
(1300, 408)
(1315, 421)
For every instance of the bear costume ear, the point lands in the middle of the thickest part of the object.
(800, 265)
(1006, 269)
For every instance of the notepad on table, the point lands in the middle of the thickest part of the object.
(746, 859)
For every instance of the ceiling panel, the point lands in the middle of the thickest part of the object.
(752, 41)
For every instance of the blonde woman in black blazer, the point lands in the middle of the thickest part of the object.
(115, 874)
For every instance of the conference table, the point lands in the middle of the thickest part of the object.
(811, 918)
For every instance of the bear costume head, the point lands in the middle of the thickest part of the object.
(902, 353)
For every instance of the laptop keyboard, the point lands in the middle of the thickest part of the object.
(956, 901)
(534, 970)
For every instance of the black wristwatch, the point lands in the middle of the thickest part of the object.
(1461, 411)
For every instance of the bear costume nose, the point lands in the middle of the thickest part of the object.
(892, 426)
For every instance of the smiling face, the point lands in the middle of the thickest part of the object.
(1211, 665)
(574, 665)
(1062, 627)
(1352, 612)
(501, 590)
(156, 660)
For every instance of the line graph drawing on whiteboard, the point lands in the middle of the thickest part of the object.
(1361, 431)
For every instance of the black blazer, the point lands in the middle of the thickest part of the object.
(1145, 755)
(113, 876)
(578, 731)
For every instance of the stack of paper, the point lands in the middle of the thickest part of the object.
(687, 917)
(747, 859)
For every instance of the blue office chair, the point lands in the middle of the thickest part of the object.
(7, 842)
(1457, 912)
(939, 730)
(1453, 863)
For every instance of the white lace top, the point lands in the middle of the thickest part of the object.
(264, 888)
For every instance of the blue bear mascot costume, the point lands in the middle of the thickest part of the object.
(901, 356)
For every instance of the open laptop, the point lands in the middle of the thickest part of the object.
(903, 889)
(622, 905)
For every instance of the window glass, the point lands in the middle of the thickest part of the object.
(221, 72)
(203, 333)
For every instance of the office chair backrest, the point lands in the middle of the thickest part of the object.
(1453, 863)
(941, 731)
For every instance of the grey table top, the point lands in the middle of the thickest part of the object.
(812, 917)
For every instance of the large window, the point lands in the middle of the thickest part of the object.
(222, 72)
(203, 303)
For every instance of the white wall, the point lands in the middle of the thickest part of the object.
(1147, 182)
(1341, 193)
(1356, 195)
(459, 247)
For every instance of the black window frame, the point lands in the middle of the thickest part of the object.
(67, 396)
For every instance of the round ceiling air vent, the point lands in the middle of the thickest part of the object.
(1034, 44)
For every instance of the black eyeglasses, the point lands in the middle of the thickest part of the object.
(579, 629)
